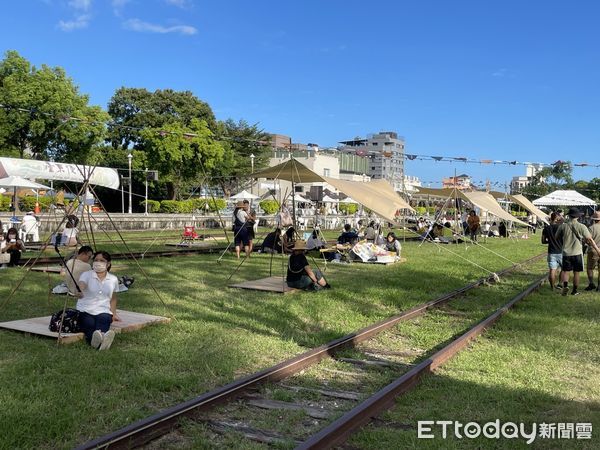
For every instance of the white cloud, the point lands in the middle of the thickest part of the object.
(80, 5)
(146, 27)
(178, 3)
(118, 5)
(78, 23)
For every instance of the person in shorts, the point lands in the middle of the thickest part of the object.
(592, 258)
(573, 234)
(554, 257)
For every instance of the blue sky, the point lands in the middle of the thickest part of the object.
(516, 80)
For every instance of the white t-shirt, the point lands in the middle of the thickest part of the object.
(70, 233)
(29, 223)
(242, 215)
(97, 295)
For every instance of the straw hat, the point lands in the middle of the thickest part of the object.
(240, 204)
(299, 245)
(596, 216)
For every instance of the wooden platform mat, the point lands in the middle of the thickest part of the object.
(269, 284)
(130, 321)
(46, 268)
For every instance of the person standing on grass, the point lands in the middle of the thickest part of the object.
(473, 224)
(97, 304)
(592, 258)
(554, 248)
(573, 234)
(250, 223)
(240, 230)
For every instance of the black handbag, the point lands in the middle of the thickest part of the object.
(70, 321)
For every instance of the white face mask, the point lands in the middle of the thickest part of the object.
(99, 266)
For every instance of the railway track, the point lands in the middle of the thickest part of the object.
(222, 410)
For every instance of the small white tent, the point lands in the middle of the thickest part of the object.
(564, 198)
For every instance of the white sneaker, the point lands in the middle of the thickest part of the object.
(96, 339)
(108, 339)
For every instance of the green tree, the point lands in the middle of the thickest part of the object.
(240, 140)
(44, 114)
(180, 154)
(550, 178)
(132, 109)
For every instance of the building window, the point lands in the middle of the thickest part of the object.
(326, 172)
(374, 143)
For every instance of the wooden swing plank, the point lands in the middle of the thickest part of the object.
(46, 268)
(381, 263)
(130, 321)
(269, 284)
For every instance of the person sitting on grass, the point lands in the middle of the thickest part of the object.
(77, 266)
(348, 236)
(97, 304)
(314, 242)
(272, 242)
(70, 235)
(288, 239)
(13, 246)
(573, 234)
(299, 273)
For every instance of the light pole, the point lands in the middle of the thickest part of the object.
(252, 168)
(129, 158)
(146, 202)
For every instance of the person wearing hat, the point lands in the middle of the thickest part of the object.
(299, 273)
(593, 258)
(573, 234)
(240, 230)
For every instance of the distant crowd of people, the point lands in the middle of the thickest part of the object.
(568, 240)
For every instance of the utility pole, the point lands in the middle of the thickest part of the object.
(129, 158)
(146, 196)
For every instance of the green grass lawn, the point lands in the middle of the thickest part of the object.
(58, 396)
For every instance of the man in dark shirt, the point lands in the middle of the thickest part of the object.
(299, 274)
(554, 257)
(348, 236)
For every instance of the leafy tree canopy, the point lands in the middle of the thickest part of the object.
(46, 128)
(551, 178)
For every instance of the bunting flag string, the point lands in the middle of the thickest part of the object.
(359, 152)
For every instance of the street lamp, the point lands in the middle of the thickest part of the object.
(129, 158)
(252, 168)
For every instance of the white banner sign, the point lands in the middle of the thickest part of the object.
(46, 170)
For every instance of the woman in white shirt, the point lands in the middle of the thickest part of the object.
(97, 304)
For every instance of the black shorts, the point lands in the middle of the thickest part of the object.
(250, 230)
(241, 236)
(572, 263)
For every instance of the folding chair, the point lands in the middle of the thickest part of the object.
(189, 234)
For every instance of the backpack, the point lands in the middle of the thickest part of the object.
(70, 322)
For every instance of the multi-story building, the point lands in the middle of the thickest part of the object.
(384, 155)
(461, 182)
(411, 183)
(519, 182)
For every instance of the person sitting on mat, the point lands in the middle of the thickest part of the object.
(314, 242)
(299, 273)
(76, 266)
(70, 235)
(272, 242)
(97, 304)
(13, 246)
(392, 244)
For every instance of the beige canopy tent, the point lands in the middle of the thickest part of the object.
(376, 198)
(523, 202)
(486, 202)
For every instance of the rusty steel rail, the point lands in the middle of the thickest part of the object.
(145, 430)
(341, 429)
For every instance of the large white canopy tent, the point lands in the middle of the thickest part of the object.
(564, 198)
(244, 195)
(47, 170)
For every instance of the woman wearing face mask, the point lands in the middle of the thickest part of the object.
(13, 246)
(97, 304)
